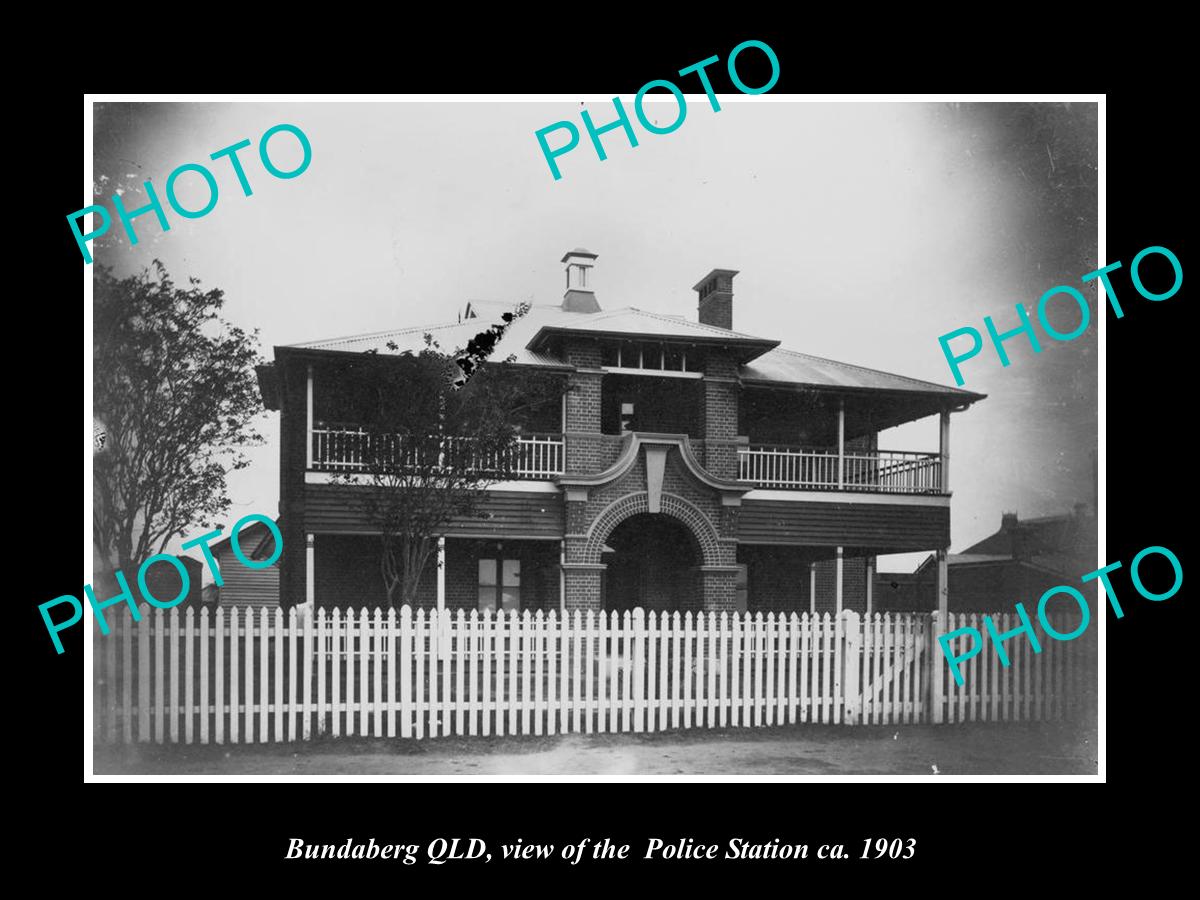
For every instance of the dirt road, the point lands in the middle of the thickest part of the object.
(973, 749)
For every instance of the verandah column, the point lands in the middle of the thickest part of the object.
(838, 589)
(870, 585)
(310, 583)
(841, 448)
(308, 421)
(944, 449)
(441, 573)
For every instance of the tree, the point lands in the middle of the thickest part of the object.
(175, 389)
(435, 430)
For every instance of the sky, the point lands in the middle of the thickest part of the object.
(861, 232)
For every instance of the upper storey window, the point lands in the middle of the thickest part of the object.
(651, 356)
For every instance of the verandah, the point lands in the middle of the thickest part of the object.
(263, 675)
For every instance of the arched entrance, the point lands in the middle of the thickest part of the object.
(652, 562)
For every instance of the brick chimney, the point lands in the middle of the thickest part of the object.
(581, 291)
(716, 298)
(1008, 521)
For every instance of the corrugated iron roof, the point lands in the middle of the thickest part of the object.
(966, 559)
(453, 336)
(777, 365)
(793, 367)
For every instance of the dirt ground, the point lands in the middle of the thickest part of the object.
(970, 749)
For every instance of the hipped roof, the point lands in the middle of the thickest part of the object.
(530, 340)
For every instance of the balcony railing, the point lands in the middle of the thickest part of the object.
(879, 471)
(347, 448)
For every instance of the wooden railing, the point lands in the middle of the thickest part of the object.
(348, 448)
(877, 471)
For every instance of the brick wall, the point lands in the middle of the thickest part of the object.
(719, 414)
(590, 453)
(717, 309)
(700, 511)
(854, 584)
(716, 302)
(695, 505)
(583, 401)
(293, 434)
(720, 591)
(582, 588)
(777, 578)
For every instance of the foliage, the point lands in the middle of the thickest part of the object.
(174, 386)
(432, 442)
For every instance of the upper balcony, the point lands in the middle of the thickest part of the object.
(540, 457)
(877, 471)
(339, 447)
(793, 441)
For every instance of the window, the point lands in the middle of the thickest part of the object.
(651, 356)
(499, 584)
(673, 358)
(741, 588)
(626, 415)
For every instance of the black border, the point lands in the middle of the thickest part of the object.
(963, 828)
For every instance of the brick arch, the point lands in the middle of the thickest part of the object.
(687, 514)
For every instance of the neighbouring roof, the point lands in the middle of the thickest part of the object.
(529, 341)
(1044, 532)
(1054, 563)
(255, 541)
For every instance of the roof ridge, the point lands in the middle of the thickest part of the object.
(846, 365)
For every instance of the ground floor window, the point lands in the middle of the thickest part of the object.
(499, 584)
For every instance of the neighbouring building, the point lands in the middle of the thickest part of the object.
(690, 466)
(1020, 562)
(165, 583)
(243, 586)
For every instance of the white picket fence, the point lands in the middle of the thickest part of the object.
(241, 676)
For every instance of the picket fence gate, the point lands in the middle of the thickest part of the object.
(242, 676)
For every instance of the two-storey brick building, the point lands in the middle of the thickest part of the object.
(690, 466)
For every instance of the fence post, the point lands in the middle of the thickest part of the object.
(639, 666)
(853, 656)
(443, 633)
(405, 662)
(309, 650)
(935, 670)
